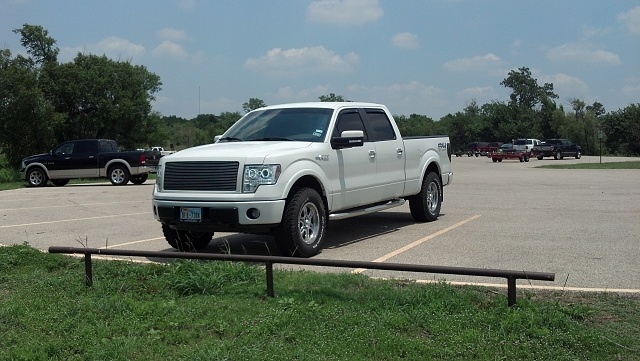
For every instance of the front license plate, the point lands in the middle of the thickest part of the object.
(190, 214)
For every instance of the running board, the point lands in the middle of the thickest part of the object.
(370, 209)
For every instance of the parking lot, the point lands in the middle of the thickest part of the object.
(583, 225)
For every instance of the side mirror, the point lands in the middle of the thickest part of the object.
(348, 139)
(215, 139)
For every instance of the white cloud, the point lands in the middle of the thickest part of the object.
(169, 49)
(112, 47)
(349, 12)
(489, 63)
(485, 93)
(631, 19)
(172, 34)
(289, 94)
(405, 40)
(632, 86)
(295, 61)
(187, 4)
(565, 84)
(583, 53)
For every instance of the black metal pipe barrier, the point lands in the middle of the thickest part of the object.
(269, 261)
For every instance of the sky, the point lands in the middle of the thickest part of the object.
(427, 57)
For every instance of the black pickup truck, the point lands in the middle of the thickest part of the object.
(557, 148)
(86, 158)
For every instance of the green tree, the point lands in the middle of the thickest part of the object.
(252, 104)
(38, 43)
(622, 130)
(27, 119)
(331, 97)
(526, 93)
(103, 98)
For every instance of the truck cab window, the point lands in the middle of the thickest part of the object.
(349, 120)
(380, 124)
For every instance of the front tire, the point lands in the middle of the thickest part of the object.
(303, 225)
(36, 177)
(118, 175)
(540, 157)
(186, 241)
(425, 206)
(578, 154)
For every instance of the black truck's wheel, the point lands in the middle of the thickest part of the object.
(59, 182)
(540, 157)
(36, 177)
(303, 225)
(578, 154)
(118, 175)
(425, 206)
(558, 155)
(186, 241)
(139, 179)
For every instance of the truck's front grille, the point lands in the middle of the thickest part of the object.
(201, 176)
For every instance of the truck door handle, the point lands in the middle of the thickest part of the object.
(91, 157)
(372, 154)
(399, 151)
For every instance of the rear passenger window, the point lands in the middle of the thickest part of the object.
(381, 125)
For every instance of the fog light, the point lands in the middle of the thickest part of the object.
(253, 213)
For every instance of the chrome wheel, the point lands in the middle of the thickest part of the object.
(433, 197)
(309, 223)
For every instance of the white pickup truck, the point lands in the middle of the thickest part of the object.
(287, 169)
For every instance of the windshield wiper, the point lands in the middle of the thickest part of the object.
(272, 139)
(230, 139)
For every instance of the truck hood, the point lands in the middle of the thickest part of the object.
(236, 151)
(35, 157)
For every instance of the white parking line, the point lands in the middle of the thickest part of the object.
(418, 242)
(68, 205)
(535, 287)
(128, 243)
(74, 220)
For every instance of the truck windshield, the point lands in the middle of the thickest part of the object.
(298, 124)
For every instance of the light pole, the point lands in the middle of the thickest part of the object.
(600, 137)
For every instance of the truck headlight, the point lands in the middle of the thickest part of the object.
(159, 178)
(256, 175)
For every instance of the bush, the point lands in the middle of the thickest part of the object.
(7, 173)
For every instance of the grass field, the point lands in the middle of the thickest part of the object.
(189, 310)
(606, 165)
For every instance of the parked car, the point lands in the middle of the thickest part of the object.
(525, 145)
(288, 169)
(85, 158)
(558, 149)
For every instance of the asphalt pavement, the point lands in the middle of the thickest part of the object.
(582, 225)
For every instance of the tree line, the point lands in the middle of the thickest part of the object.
(44, 102)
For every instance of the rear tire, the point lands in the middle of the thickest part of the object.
(59, 182)
(118, 175)
(139, 179)
(425, 206)
(540, 157)
(186, 241)
(558, 155)
(36, 177)
(303, 225)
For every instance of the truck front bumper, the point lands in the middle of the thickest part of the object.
(256, 217)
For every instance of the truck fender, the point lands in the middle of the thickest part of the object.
(104, 171)
(308, 173)
(37, 164)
